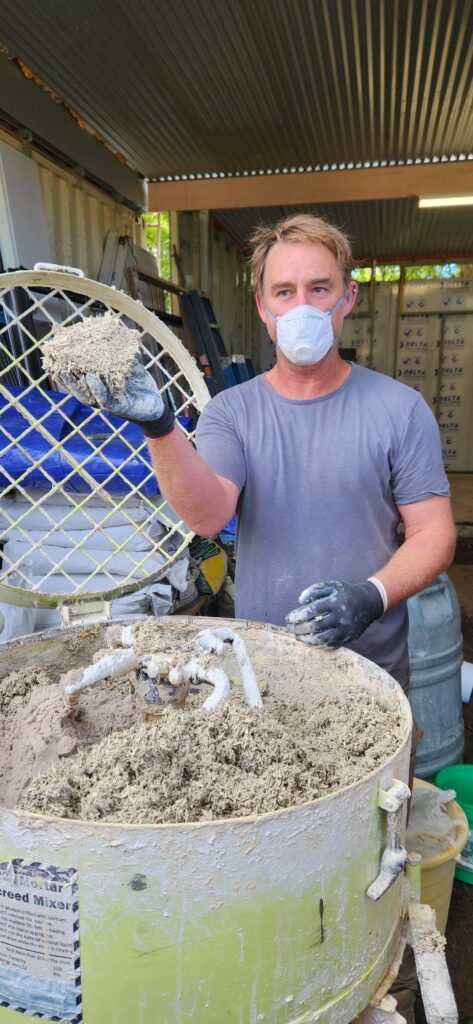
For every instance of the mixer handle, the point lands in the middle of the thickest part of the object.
(394, 856)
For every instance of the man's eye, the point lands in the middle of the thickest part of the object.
(319, 289)
(282, 293)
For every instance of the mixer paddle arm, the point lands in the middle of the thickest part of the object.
(109, 667)
(193, 672)
(155, 671)
(157, 681)
(209, 639)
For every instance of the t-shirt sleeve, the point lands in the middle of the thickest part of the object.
(219, 443)
(418, 472)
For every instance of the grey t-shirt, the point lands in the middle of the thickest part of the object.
(320, 480)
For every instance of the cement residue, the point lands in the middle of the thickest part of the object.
(196, 765)
(425, 935)
(101, 345)
(431, 943)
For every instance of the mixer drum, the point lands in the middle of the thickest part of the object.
(262, 918)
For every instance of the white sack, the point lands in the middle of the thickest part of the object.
(45, 517)
(15, 621)
(177, 575)
(116, 536)
(161, 598)
(48, 558)
(137, 603)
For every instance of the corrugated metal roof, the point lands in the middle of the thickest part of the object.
(378, 230)
(225, 86)
(228, 85)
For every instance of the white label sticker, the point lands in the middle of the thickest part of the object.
(39, 941)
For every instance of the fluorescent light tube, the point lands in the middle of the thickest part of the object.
(446, 201)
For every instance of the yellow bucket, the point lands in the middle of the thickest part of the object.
(437, 872)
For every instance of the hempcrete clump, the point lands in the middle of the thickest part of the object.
(101, 345)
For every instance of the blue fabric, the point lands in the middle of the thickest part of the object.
(32, 455)
(229, 531)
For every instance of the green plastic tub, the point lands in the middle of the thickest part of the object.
(460, 778)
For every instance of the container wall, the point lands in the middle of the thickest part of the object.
(77, 215)
(79, 218)
(421, 333)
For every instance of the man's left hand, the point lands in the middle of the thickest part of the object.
(334, 614)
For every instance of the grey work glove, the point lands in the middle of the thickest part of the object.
(141, 402)
(334, 614)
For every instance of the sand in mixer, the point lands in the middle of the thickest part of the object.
(107, 756)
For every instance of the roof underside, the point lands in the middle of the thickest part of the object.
(384, 231)
(227, 86)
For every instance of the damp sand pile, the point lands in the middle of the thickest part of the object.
(16, 688)
(101, 345)
(189, 764)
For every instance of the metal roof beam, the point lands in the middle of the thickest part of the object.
(439, 179)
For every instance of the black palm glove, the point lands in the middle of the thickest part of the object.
(334, 614)
(141, 402)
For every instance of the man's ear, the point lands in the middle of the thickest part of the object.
(351, 297)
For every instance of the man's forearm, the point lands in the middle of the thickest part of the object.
(415, 565)
(187, 482)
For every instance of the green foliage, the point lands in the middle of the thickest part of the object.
(158, 241)
(416, 272)
(383, 272)
(433, 270)
(362, 274)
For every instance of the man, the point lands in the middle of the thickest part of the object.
(320, 459)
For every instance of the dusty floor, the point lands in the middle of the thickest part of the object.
(460, 920)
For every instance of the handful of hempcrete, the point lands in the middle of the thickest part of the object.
(102, 345)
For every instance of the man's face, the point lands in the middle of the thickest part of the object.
(303, 274)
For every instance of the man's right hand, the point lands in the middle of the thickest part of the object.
(141, 401)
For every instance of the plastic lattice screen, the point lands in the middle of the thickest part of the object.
(80, 509)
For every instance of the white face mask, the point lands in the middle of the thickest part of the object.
(304, 334)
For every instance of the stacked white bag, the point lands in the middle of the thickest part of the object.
(54, 548)
(14, 620)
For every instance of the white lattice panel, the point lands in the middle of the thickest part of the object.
(80, 511)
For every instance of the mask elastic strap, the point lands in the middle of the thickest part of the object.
(337, 304)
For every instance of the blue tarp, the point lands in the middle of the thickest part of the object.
(228, 533)
(39, 467)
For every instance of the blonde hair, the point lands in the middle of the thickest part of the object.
(304, 227)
